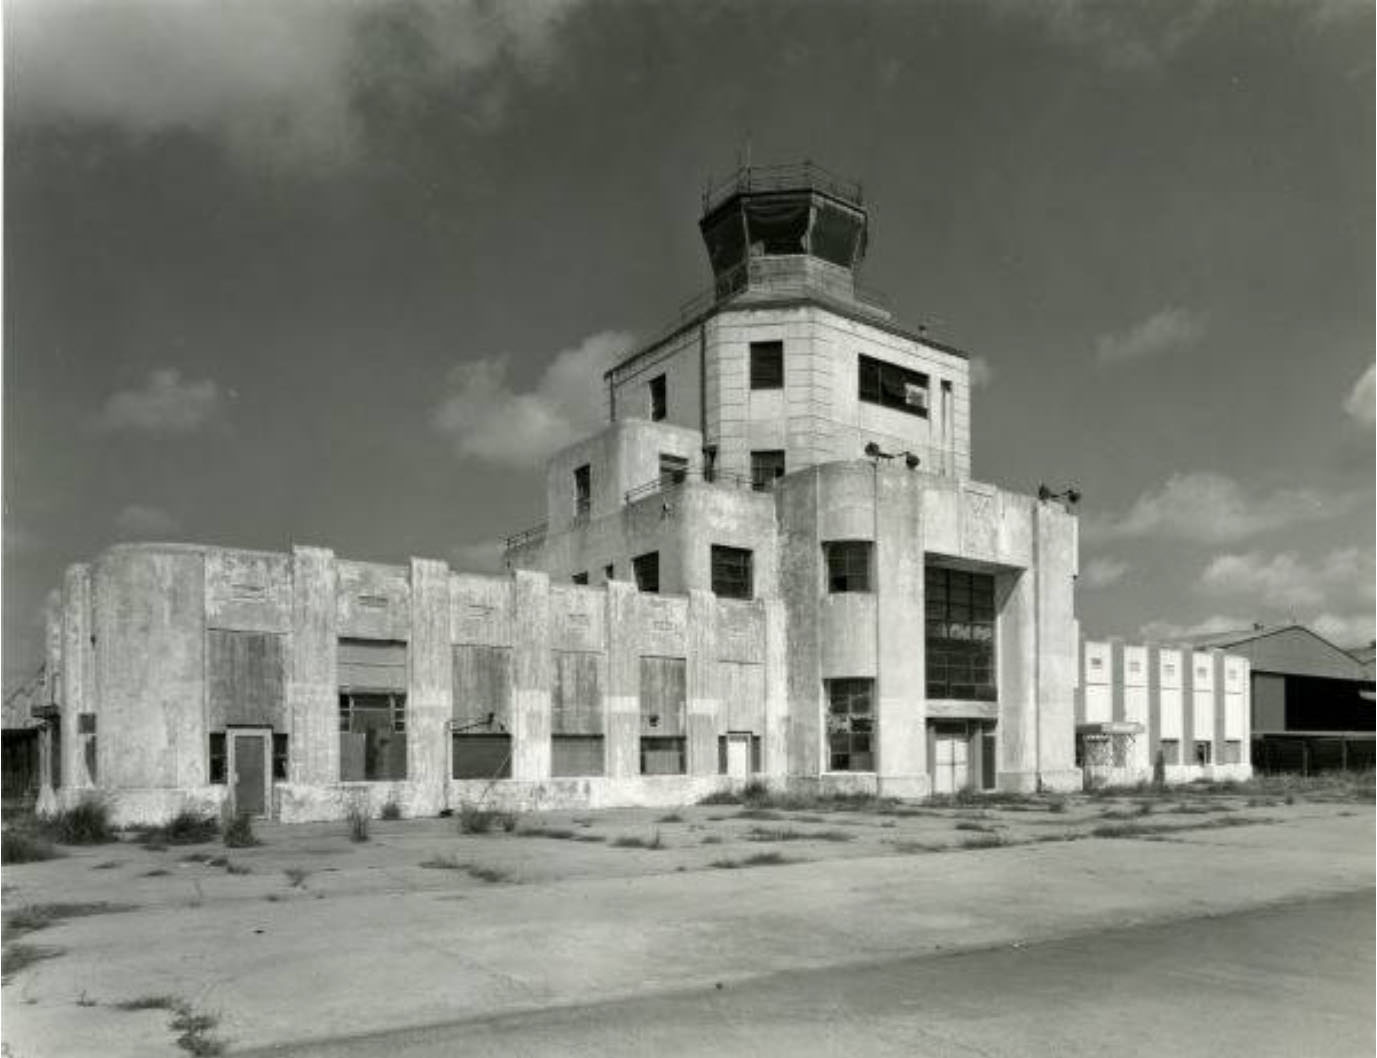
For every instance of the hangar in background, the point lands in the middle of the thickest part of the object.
(1312, 701)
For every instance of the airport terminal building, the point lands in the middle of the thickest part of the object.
(772, 563)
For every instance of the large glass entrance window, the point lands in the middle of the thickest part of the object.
(960, 635)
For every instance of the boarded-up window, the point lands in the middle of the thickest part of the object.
(743, 696)
(245, 678)
(1233, 752)
(482, 756)
(576, 693)
(482, 688)
(372, 665)
(664, 702)
(576, 755)
(1170, 750)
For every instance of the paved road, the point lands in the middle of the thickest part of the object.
(1294, 979)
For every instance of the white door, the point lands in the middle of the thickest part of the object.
(952, 764)
(739, 757)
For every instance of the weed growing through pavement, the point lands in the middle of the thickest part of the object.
(760, 859)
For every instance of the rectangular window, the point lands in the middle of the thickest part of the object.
(892, 386)
(574, 755)
(1233, 752)
(647, 571)
(767, 365)
(663, 697)
(372, 736)
(482, 755)
(850, 725)
(580, 578)
(960, 635)
(766, 467)
(280, 758)
(1204, 752)
(673, 470)
(848, 565)
(710, 463)
(217, 758)
(1170, 749)
(583, 490)
(609, 571)
(657, 398)
(731, 572)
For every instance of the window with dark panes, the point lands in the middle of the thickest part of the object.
(217, 758)
(710, 463)
(673, 470)
(731, 572)
(850, 725)
(280, 745)
(580, 578)
(892, 386)
(848, 565)
(960, 635)
(609, 571)
(766, 467)
(646, 569)
(583, 489)
(767, 365)
(1204, 752)
(658, 406)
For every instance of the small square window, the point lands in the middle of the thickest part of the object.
(657, 398)
(86, 723)
(848, 565)
(766, 468)
(767, 365)
(673, 470)
(646, 569)
(731, 572)
(580, 578)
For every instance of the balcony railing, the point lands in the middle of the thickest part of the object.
(803, 176)
(527, 536)
(668, 482)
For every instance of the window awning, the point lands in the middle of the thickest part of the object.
(1111, 727)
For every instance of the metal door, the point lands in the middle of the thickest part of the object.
(739, 756)
(248, 761)
(952, 764)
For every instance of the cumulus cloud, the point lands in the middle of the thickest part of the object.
(982, 372)
(139, 519)
(1288, 582)
(1349, 631)
(1102, 572)
(291, 78)
(1170, 630)
(1361, 402)
(486, 420)
(164, 405)
(1165, 331)
(1213, 508)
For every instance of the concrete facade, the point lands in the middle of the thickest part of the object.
(1141, 706)
(771, 565)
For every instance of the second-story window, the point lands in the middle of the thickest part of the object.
(646, 569)
(848, 565)
(767, 365)
(657, 398)
(766, 466)
(892, 386)
(583, 490)
(673, 470)
(731, 572)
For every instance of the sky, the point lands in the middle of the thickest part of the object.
(344, 273)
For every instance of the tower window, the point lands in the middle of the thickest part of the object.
(892, 386)
(848, 565)
(765, 468)
(657, 398)
(583, 490)
(767, 365)
(646, 569)
(731, 572)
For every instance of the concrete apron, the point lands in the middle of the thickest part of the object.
(350, 965)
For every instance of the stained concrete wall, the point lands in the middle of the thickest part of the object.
(1172, 692)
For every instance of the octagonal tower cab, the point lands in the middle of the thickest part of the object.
(784, 229)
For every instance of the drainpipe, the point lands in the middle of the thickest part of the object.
(1037, 649)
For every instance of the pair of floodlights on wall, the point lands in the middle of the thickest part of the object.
(874, 452)
(1071, 495)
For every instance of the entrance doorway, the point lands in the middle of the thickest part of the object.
(952, 769)
(739, 755)
(250, 770)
